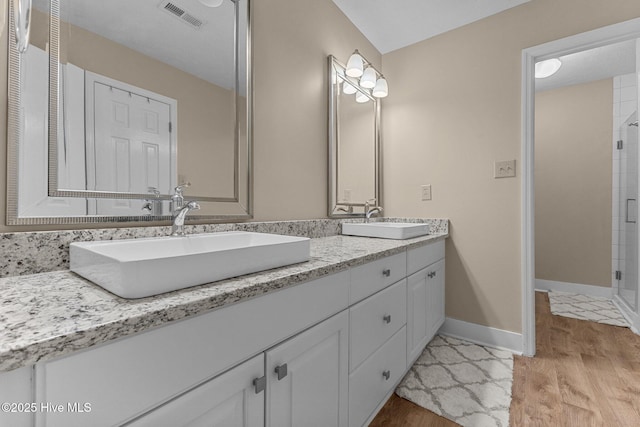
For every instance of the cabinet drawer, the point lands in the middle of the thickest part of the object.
(369, 278)
(375, 320)
(423, 256)
(368, 384)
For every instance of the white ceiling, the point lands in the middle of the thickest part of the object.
(143, 26)
(391, 25)
(594, 64)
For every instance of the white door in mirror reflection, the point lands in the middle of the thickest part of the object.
(128, 144)
(33, 200)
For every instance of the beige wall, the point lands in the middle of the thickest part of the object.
(292, 40)
(291, 43)
(573, 175)
(453, 109)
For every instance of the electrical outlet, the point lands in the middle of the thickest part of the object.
(426, 192)
(504, 169)
(346, 195)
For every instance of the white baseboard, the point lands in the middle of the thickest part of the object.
(483, 335)
(574, 288)
(632, 318)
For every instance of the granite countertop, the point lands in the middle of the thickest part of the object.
(48, 315)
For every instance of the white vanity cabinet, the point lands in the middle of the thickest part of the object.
(312, 366)
(327, 352)
(128, 377)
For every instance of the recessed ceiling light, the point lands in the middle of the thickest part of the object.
(211, 3)
(547, 68)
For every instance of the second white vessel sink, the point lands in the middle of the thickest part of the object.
(386, 230)
(138, 268)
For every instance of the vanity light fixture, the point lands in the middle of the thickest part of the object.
(355, 65)
(547, 68)
(381, 90)
(370, 78)
(348, 88)
(361, 97)
(211, 3)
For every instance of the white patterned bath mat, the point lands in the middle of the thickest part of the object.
(584, 307)
(464, 382)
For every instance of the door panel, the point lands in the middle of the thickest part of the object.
(313, 391)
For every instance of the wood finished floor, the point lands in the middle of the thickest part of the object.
(584, 374)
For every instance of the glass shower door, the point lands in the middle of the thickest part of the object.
(628, 231)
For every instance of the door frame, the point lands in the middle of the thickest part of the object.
(588, 40)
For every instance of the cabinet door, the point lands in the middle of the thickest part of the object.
(436, 298)
(307, 377)
(425, 307)
(417, 313)
(229, 400)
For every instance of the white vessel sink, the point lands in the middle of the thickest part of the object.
(139, 268)
(386, 230)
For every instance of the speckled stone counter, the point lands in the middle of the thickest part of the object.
(47, 315)
(44, 251)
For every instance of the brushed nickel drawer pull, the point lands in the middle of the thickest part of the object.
(260, 384)
(386, 374)
(386, 272)
(281, 371)
(387, 318)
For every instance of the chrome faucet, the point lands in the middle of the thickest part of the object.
(370, 210)
(178, 197)
(179, 215)
(180, 210)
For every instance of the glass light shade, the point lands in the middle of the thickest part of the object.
(381, 89)
(547, 68)
(361, 98)
(348, 88)
(368, 79)
(211, 3)
(355, 65)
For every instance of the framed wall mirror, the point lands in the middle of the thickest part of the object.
(354, 145)
(112, 104)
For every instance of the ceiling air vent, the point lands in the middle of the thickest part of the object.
(180, 13)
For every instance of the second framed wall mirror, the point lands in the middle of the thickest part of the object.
(355, 175)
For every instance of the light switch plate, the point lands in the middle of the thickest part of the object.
(426, 192)
(504, 169)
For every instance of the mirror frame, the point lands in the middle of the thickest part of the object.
(14, 137)
(334, 208)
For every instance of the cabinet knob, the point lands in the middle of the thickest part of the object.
(387, 318)
(431, 274)
(281, 371)
(386, 272)
(386, 375)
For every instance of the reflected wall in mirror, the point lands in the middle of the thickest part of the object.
(117, 102)
(354, 145)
